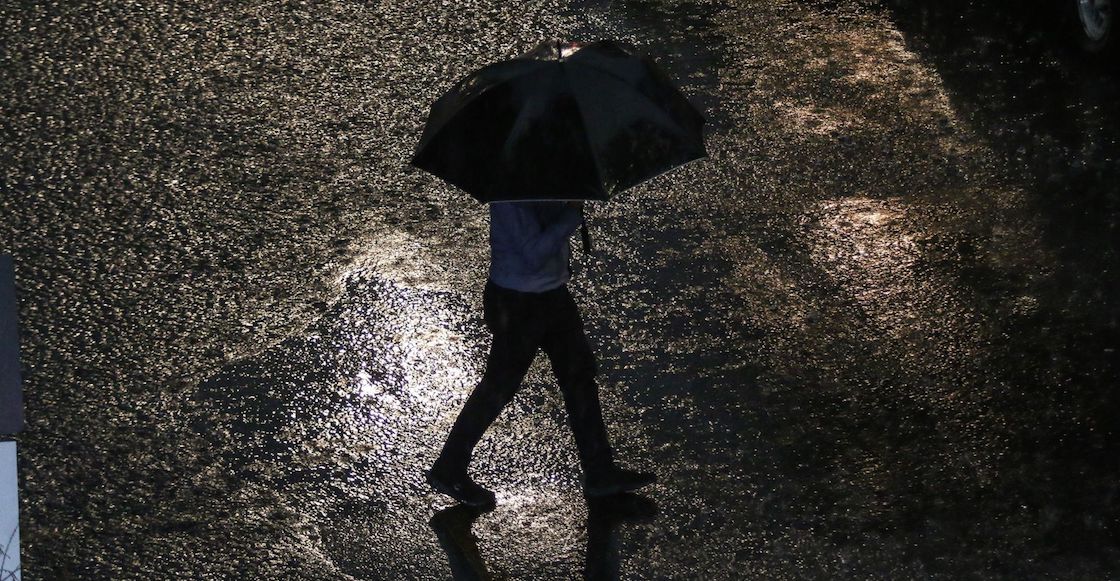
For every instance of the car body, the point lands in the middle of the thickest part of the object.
(1093, 25)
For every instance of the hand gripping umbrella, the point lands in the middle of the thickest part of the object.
(564, 121)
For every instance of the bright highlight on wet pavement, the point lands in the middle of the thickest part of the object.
(870, 335)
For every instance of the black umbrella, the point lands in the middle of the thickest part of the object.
(564, 121)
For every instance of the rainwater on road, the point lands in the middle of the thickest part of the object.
(871, 336)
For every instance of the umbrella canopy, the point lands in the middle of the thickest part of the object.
(564, 121)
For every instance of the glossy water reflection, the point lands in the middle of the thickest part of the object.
(453, 527)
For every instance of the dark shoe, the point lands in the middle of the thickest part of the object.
(615, 481)
(461, 488)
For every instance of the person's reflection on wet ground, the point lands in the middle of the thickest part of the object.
(453, 529)
(604, 519)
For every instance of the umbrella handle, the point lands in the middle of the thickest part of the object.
(583, 232)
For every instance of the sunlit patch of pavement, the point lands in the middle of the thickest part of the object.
(344, 419)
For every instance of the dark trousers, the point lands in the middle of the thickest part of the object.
(522, 323)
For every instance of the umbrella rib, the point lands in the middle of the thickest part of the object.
(654, 104)
(617, 77)
(486, 89)
(586, 134)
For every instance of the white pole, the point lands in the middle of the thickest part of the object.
(11, 421)
(9, 514)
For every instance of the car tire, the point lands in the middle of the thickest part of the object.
(1093, 25)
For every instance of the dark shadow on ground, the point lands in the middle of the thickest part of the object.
(1051, 113)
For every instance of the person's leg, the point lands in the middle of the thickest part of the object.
(514, 345)
(573, 364)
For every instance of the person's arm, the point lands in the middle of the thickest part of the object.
(535, 244)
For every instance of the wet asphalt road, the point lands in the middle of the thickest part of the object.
(870, 337)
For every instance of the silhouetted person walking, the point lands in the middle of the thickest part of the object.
(527, 306)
